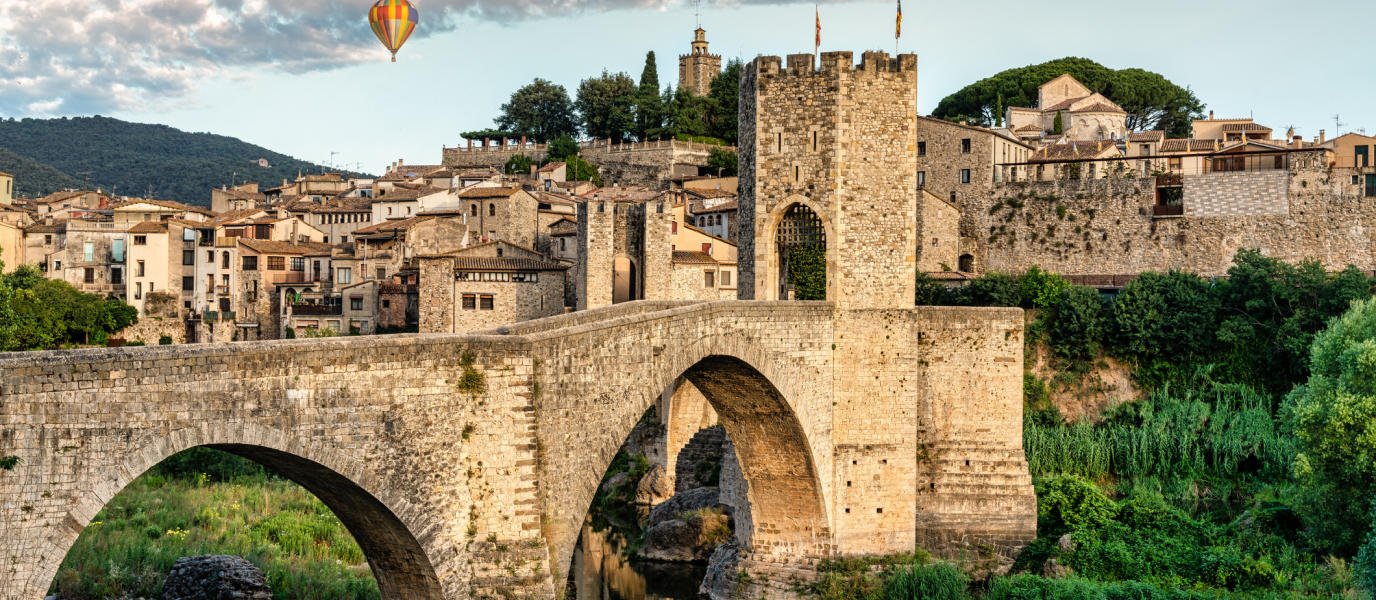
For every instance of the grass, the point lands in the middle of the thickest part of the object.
(304, 550)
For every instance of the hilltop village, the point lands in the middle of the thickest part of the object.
(469, 242)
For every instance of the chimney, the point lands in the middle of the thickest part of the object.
(401, 163)
(1299, 139)
(1211, 115)
(1321, 136)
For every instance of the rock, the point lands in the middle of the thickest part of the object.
(1066, 544)
(616, 480)
(215, 578)
(721, 579)
(686, 540)
(654, 487)
(683, 502)
(1055, 570)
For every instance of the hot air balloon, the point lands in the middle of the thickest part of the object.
(393, 21)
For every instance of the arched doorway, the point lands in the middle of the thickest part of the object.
(398, 562)
(801, 241)
(967, 263)
(624, 282)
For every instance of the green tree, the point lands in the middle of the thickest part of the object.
(649, 111)
(723, 162)
(683, 115)
(1333, 416)
(561, 148)
(1164, 318)
(724, 100)
(541, 110)
(1041, 289)
(993, 288)
(1057, 127)
(605, 105)
(1152, 101)
(518, 163)
(1080, 323)
(929, 291)
(998, 111)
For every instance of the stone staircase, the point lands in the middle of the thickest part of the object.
(706, 444)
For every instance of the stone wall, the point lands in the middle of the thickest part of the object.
(938, 236)
(648, 163)
(512, 302)
(151, 329)
(595, 254)
(1237, 193)
(1106, 226)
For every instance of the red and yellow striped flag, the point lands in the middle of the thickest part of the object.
(898, 27)
(819, 30)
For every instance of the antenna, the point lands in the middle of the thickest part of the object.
(1337, 126)
(332, 153)
(696, 20)
(87, 177)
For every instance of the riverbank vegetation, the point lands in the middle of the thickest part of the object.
(204, 501)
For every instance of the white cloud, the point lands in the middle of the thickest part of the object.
(92, 56)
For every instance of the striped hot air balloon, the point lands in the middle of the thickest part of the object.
(393, 21)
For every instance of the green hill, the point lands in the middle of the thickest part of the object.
(132, 158)
(33, 179)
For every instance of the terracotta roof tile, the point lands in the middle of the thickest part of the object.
(504, 264)
(1100, 107)
(488, 192)
(277, 247)
(723, 207)
(404, 194)
(1245, 127)
(1147, 136)
(693, 257)
(1073, 150)
(1188, 145)
(148, 227)
(551, 167)
(57, 226)
(711, 193)
(232, 216)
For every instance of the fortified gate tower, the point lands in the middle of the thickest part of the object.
(827, 160)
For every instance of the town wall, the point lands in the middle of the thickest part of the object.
(1108, 227)
(631, 163)
(150, 330)
(1237, 193)
(595, 254)
(938, 237)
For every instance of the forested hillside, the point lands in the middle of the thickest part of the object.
(33, 179)
(134, 158)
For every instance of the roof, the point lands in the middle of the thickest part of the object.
(1072, 150)
(1029, 128)
(276, 247)
(1147, 136)
(232, 216)
(1245, 127)
(711, 193)
(488, 192)
(405, 194)
(693, 257)
(60, 196)
(4, 174)
(332, 205)
(165, 204)
(504, 264)
(393, 225)
(57, 226)
(149, 227)
(1189, 145)
(1101, 107)
(478, 173)
(324, 177)
(973, 128)
(723, 207)
(243, 195)
(551, 167)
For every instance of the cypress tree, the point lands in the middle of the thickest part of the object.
(998, 111)
(1057, 127)
(649, 112)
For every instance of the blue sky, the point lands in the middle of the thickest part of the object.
(306, 77)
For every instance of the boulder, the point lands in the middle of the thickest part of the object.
(1066, 544)
(684, 502)
(215, 578)
(1055, 570)
(616, 480)
(721, 580)
(654, 487)
(689, 539)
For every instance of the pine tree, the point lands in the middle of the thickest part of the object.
(1057, 127)
(649, 112)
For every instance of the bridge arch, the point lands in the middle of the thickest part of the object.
(381, 521)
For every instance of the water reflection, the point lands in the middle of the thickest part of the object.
(601, 572)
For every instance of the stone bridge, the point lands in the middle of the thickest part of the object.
(464, 465)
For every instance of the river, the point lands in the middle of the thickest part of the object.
(601, 572)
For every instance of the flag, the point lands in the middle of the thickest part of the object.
(898, 27)
(819, 31)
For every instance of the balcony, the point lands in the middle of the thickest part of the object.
(290, 277)
(101, 288)
(221, 290)
(224, 315)
(315, 310)
(1168, 211)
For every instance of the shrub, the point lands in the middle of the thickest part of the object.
(1041, 289)
(165, 340)
(1080, 323)
(1069, 503)
(993, 288)
(1166, 317)
(518, 163)
(929, 291)
(807, 271)
(939, 581)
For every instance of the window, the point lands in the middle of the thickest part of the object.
(47, 240)
(138, 269)
(1280, 163)
(1175, 164)
(470, 302)
(224, 281)
(209, 284)
(138, 290)
(386, 304)
(89, 251)
(188, 283)
(499, 252)
(298, 263)
(725, 278)
(389, 211)
(188, 257)
(953, 196)
(530, 277)
(322, 220)
(779, 142)
(709, 279)
(797, 173)
(922, 148)
(333, 324)
(965, 175)
(673, 229)
(90, 275)
(147, 217)
(921, 178)
(1146, 149)
(277, 263)
(250, 263)
(492, 210)
(117, 250)
(355, 304)
(117, 275)
(485, 302)
(327, 239)
(965, 146)
(381, 273)
(139, 240)
(707, 249)
(718, 219)
(814, 141)
(408, 210)
(210, 256)
(224, 259)
(563, 246)
(473, 210)
(346, 276)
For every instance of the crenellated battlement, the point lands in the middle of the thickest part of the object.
(833, 63)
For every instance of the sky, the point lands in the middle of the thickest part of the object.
(307, 78)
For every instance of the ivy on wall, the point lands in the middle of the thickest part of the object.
(807, 271)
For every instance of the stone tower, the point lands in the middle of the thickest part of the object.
(696, 70)
(827, 157)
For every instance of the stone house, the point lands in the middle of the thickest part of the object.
(336, 218)
(240, 197)
(69, 201)
(351, 308)
(1354, 151)
(94, 259)
(938, 236)
(504, 213)
(1062, 160)
(1085, 115)
(955, 160)
(268, 271)
(139, 210)
(487, 285)
(399, 302)
(43, 242)
(713, 211)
